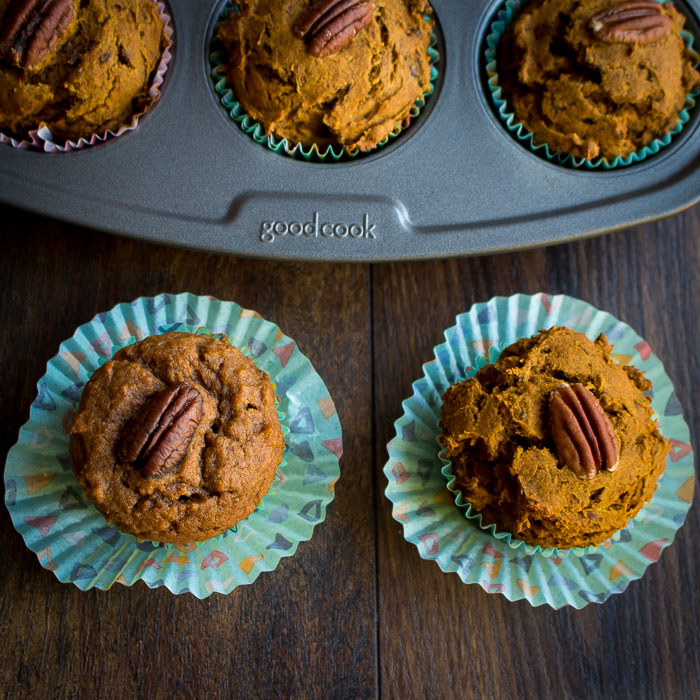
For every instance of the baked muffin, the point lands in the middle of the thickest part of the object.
(328, 73)
(597, 78)
(80, 68)
(176, 438)
(554, 442)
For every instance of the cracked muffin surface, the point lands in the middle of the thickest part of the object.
(354, 98)
(582, 95)
(96, 76)
(496, 429)
(230, 461)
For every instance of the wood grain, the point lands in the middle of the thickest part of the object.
(355, 612)
(306, 629)
(441, 638)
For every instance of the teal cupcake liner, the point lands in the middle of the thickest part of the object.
(474, 515)
(71, 537)
(282, 146)
(504, 18)
(422, 503)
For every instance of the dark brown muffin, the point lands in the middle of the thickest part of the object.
(90, 76)
(353, 97)
(176, 438)
(583, 83)
(499, 429)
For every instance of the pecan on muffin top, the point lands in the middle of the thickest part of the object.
(80, 68)
(554, 442)
(176, 438)
(331, 72)
(596, 78)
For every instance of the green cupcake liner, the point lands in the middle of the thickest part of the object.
(439, 529)
(497, 28)
(71, 537)
(282, 146)
(475, 516)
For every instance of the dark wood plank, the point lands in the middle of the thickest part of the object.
(441, 638)
(309, 627)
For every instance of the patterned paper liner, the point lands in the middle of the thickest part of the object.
(503, 20)
(438, 528)
(71, 537)
(41, 138)
(282, 146)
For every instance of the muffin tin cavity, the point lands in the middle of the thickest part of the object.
(455, 182)
(503, 15)
(95, 83)
(225, 97)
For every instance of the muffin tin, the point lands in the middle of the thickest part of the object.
(454, 183)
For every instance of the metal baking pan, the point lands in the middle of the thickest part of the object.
(455, 183)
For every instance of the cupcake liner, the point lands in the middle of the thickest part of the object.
(72, 538)
(42, 139)
(282, 146)
(496, 30)
(475, 516)
(426, 508)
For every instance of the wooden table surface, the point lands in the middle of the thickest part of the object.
(355, 612)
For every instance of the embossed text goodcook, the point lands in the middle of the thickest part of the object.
(270, 230)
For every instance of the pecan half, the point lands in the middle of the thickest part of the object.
(583, 435)
(641, 22)
(32, 28)
(331, 25)
(158, 436)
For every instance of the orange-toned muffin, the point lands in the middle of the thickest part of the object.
(328, 72)
(80, 68)
(176, 438)
(554, 442)
(596, 78)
